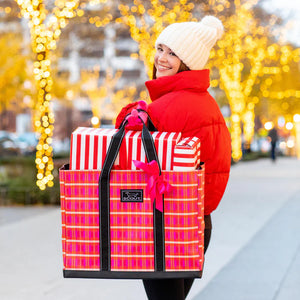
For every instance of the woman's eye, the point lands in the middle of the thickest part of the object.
(159, 49)
(172, 53)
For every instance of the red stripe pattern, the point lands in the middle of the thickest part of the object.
(187, 154)
(131, 223)
(89, 147)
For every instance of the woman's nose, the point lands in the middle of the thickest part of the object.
(162, 56)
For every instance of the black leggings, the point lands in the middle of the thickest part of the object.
(177, 288)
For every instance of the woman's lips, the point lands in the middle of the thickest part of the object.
(162, 68)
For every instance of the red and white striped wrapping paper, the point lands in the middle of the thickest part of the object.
(187, 154)
(89, 147)
(131, 224)
(164, 142)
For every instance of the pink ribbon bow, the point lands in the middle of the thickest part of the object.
(156, 186)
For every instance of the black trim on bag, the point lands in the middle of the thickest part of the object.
(158, 219)
(150, 124)
(131, 275)
(104, 200)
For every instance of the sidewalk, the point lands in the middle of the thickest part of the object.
(253, 255)
(256, 238)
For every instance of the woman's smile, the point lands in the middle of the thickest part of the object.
(160, 67)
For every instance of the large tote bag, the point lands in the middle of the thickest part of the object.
(112, 228)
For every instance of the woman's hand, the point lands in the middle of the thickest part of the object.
(134, 118)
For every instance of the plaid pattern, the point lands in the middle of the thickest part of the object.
(131, 224)
(201, 223)
(187, 154)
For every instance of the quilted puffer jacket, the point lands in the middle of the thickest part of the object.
(181, 103)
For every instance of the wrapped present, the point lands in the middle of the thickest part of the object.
(164, 142)
(187, 154)
(89, 147)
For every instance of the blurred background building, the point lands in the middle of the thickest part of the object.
(84, 49)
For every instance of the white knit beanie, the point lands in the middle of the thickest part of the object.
(192, 41)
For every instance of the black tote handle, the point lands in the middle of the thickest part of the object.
(104, 200)
(151, 126)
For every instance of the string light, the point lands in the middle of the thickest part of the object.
(44, 35)
(45, 31)
(244, 57)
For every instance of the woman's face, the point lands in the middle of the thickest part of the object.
(166, 62)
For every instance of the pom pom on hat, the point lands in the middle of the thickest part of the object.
(214, 23)
(192, 41)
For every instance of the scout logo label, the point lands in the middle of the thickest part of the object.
(131, 195)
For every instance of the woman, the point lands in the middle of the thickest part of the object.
(181, 103)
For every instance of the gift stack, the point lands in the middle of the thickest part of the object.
(137, 236)
(89, 147)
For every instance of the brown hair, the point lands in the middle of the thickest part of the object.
(182, 67)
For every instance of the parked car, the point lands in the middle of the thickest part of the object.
(27, 142)
(8, 145)
(12, 144)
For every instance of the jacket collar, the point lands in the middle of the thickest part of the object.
(196, 80)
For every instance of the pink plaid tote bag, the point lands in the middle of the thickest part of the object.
(143, 223)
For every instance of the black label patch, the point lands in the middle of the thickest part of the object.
(131, 195)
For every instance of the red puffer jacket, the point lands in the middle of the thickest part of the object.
(181, 103)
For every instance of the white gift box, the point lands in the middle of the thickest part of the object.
(187, 154)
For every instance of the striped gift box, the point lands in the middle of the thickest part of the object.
(187, 154)
(164, 142)
(131, 225)
(89, 147)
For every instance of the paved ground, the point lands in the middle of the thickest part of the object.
(254, 253)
